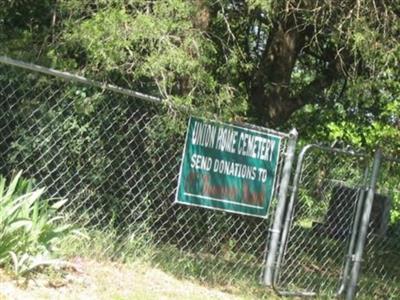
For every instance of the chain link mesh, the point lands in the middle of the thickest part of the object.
(316, 248)
(117, 159)
(380, 274)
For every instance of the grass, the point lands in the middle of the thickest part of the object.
(237, 274)
(114, 281)
(318, 265)
(227, 274)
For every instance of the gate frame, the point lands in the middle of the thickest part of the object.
(356, 242)
(363, 230)
(273, 245)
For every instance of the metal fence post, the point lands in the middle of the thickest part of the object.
(355, 271)
(290, 208)
(354, 229)
(279, 212)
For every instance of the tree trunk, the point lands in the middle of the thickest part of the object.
(271, 101)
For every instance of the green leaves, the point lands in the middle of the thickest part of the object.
(29, 226)
(159, 47)
(105, 38)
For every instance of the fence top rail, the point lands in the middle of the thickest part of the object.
(77, 78)
(290, 134)
(332, 149)
(106, 86)
(392, 159)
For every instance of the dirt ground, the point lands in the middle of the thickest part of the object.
(93, 280)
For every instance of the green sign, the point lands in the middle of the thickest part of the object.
(228, 167)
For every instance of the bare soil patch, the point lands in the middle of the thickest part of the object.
(96, 280)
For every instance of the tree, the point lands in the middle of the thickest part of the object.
(272, 62)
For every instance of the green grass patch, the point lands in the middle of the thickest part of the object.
(236, 273)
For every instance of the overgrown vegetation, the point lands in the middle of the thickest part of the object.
(30, 226)
(226, 270)
(274, 63)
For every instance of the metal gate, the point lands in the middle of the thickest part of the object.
(322, 217)
(380, 269)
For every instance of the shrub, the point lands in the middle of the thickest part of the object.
(29, 225)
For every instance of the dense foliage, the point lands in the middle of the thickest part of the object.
(277, 63)
(29, 225)
(328, 68)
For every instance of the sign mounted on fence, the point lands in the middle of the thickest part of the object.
(228, 167)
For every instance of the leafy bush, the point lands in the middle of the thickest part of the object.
(29, 226)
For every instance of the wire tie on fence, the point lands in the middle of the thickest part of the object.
(354, 259)
(274, 230)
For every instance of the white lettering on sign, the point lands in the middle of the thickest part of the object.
(231, 141)
(226, 140)
(204, 134)
(255, 146)
(200, 162)
(234, 169)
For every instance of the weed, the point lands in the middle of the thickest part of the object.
(29, 226)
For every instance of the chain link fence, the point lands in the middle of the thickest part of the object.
(117, 158)
(380, 274)
(115, 154)
(323, 223)
(318, 227)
